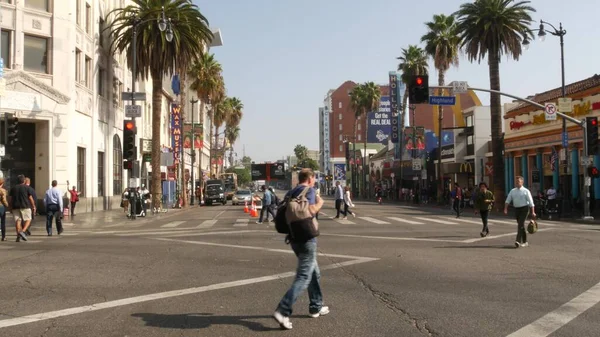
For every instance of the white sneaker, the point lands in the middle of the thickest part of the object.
(517, 244)
(324, 311)
(526, 244)
(284, 321)
(354, 215)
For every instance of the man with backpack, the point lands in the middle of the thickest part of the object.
(308, 274)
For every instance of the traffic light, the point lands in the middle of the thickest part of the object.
(418, 89)
(129, 148)
(12, 129)
(591, 128)
(128, 165)
(593, 172)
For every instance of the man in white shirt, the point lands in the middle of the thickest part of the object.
(551, 193)
(339, 199)
(522, 201)
(53, 202)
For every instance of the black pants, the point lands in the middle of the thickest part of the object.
(456, 206)
(484, 219)
(54, 211)
(73, 208)
(521, 213)
(269, 210)
(347, 209)
(338, 207)
(3, 222)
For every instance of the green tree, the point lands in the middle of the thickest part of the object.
(492, 28)
(443, 45)
(301, 152)
(413, 61)
(243, 175)
(311, 164)
(156, 57)
(232, 134)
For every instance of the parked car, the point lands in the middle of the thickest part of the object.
(214, 194)
(242, 196)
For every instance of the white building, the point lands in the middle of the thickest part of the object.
(65, 89)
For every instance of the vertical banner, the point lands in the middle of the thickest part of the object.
(394, 105)
(379, 122)
(339, 172)
(176, 132)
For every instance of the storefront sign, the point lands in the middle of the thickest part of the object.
(448, 151)
(535, 176)
(581, 109)
(176, 139)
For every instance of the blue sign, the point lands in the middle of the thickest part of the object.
(565, 139)
(176, 84)
(1, 67)
(380, 123)
(442, 100)
(339, 172)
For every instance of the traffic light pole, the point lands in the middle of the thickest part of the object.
(579, 123)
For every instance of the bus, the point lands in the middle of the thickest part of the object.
(231, 184)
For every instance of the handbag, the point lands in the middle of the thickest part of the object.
(532, 227)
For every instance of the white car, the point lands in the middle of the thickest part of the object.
(241, 196)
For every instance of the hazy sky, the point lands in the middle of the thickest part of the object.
(280, 57)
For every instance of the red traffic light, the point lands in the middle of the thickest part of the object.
(419, 80)
(594, 121)
(129, 125)
(595, 171)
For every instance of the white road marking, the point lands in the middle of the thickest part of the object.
(373, 220)
(213, 233)
(172, 224)
(436, 220)
(168, 233)
(343, 222)
(241, 223)
(410, 222)
(127, 224)
(389, 238)
(503, 221)
(558, 318)
(69, 234)
(500, 236)
(174, 293)
(207, 223)
(469, 221)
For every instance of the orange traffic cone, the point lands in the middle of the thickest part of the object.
(246, 210)
(253, 212)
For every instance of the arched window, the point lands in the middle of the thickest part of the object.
(117, 166)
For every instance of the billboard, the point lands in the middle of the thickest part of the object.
(268, 172)
(176, 139)
(258, 171)
(276, 171)
(380, 122)
(339, 171)
(197, 138)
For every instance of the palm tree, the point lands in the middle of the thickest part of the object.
(357, 105)
(156, 57)
(207, 81)
(443, 45)
(492, 28)
(232, 122)
(219, 115)
(232, 134)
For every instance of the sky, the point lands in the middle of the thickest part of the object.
(280, 57)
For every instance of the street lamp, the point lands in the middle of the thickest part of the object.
(193, 154)
(560, 32)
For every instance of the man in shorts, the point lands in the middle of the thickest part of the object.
(21, 201)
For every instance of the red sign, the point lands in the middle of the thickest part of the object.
(489, 169)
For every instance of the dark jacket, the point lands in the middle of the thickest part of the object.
(480, 199)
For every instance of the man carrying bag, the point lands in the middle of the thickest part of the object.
(296, 218)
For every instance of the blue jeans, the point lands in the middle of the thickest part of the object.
(307, 276)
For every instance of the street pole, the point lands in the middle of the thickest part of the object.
(193, 101)
(567, 192)
(440, 188)
(414, 150)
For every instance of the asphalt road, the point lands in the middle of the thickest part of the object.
(212, 271)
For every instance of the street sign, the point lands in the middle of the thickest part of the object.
(586, 161)
(416, 165)
(460, 87)
(550, 111)
(565, 139)
(2, 150)
(565, 104)
(588, 181)
(442, 100)
(139, 96)
(133, 111)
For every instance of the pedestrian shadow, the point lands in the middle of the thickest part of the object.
(202, 321)
(480, 247)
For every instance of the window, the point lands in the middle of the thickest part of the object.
(340, 127)
(78, 9)
(6, 48)
(81, 170)
(341, 148)
(88, 18)
(88, 72)
(470, 121)
(117, 166)
(78, 66)
(358, 127)
(100, 32)
(41, 5)
(35, 53)
(100, 174)
(340, 105)
(100, 85)
(341, 138)
(469, 140)
(340, 117)
(359, 136)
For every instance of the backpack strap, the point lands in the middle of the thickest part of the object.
(303, 192)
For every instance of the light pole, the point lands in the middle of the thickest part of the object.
(164, 24)
(355, 174)
(560, 32)
(193, 101)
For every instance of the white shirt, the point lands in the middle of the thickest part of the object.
(520, 197)
(551, 194)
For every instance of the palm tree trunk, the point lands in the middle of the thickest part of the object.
(224, 144)
(441, 79)
(156, 129)
(184, 184)
(364, 163)
(216, 151)
(200, 153)
(210, 137)
(496, 116)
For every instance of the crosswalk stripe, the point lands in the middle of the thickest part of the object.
(410, 222)
(436, 220)
(375, 221)
(503, 221)
(172, 224)
(241, 223)
(469, 221)
(344, 222)
(207, 224)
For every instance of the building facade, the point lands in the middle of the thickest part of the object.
(64, 86)
(534, 145)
